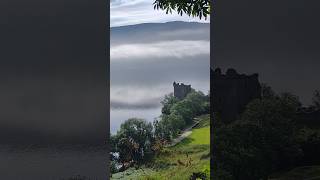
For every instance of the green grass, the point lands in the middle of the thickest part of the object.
(179, 162)
(204, 121)
(199, 136)
(299, 173)
(132, 173)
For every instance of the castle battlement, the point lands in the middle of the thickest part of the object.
(233, 74)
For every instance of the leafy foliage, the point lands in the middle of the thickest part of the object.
(316, 99)
(193, 105)
(193, 153)
(169, 126)
(113, 168)
(168, 101)
(264, 135)
(179, 113)
(309, 140)
(198, 175)
(134, 140)
(267, 91)
(194, 8)
(138, 141)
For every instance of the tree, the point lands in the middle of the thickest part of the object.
(309, 140)
(168, 101)
(135, 140)
(113, 168)
(196, 103)
(169, 126)
(267, 91)
(162, 130)
(316, 99)
(176, 122)
(126, 150)
(264, 135)
(183, 108)
(113, 141)
(194, 8)
(176, 114)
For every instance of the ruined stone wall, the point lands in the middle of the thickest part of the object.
(232, 92)
(181, 90)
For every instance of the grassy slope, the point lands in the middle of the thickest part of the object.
(174, 163)
(305, 173)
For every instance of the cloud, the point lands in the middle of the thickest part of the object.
(156, 32)
(149, 104)
(149, 95)
(143, 70)
(134, 97)
(127, 12)
(147, 58)
(164, 49)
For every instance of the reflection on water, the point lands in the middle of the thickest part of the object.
(52, 163)
(118, 116)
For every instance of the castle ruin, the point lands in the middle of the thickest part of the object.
(181, 90)
(232, 92)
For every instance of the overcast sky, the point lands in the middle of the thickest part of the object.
(277, 39)
(148, 54)
(128, 12)
(147, 58)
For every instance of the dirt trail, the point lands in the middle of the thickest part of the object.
(187, 132)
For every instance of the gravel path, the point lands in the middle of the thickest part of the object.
(187, 132)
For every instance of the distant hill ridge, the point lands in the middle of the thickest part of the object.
(183, 23)
(152, 32)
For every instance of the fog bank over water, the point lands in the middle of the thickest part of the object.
(147, 58)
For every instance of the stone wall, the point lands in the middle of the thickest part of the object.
(232, 92)
(181, 90)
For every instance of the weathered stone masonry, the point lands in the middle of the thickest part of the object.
(232, 92)
(181, 90)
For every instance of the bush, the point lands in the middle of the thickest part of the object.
(261, 141)
(177, 114)
(137, 140)
(134, 140)
(198, 175)
(113, 167)
(309, 141)
(167, 102)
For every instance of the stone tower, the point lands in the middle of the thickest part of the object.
(181, 90)
(232, 92)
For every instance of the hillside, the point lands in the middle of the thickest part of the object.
(191, 155)
(306, 172)
(152, 32)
